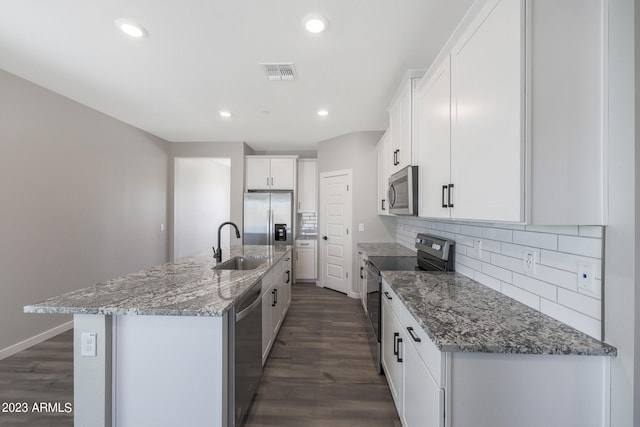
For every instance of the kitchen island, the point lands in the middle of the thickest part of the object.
(159, 355)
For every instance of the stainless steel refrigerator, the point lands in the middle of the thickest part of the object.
(268, 218)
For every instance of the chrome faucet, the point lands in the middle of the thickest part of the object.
(217, 253)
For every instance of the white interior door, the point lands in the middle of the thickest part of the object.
(202, 201)
(335, 223)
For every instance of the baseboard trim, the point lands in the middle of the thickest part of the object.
(37, 339)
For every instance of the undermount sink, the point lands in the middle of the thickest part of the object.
(240, 263)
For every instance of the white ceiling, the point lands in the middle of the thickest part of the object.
(202, 56)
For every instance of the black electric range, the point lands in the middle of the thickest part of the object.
(434, 254)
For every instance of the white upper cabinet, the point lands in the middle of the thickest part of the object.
(307, 185)
(434, 143)
(384, 168)
(400, 132)
(518, 93)
(270, 173)
(487, 70)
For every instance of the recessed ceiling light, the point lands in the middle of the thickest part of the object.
(225, 114)
(323, 113)
(315, 23)
(131, 28)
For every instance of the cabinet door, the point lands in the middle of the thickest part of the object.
(487, 112)
(395, 136)
(307, 185)
(306, 262)
(391, 353)
(384, 153)
(283, 174)
(423, 400)
(362, 283)
(267, 331)
(287, 278)
(403, 145)
(434, 143)
(257, 173)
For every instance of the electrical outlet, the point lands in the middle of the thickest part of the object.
(477, 248)
(586, 276)
(360, 227)
(88, 344)
(530, 262)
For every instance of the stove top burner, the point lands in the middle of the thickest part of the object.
(434, 254)
(395, 263)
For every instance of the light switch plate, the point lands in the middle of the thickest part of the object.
(88, 344)
(586, 276)
(360, 227)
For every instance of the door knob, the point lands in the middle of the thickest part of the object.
(325, 238)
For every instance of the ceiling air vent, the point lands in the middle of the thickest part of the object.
(283, 71)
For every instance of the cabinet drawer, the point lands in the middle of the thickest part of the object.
(390, 296)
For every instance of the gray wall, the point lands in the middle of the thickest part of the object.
(357, 151)
(83, 196)
(233, 150)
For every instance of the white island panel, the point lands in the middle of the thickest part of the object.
(170, 370)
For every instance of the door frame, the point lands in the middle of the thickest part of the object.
(321, 222)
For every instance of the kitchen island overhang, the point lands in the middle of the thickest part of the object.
(161, 341)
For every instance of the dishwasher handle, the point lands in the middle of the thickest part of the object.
(247, 311)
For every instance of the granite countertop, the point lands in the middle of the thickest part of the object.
(185, 287)
(462, 315)
(385, 249)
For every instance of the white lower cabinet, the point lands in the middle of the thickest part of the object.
(362, 279)
(306, 265)
(423, 399)
(276, 298)
(432, 388)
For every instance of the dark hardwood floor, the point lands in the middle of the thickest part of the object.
(40, 374)
(320, 372)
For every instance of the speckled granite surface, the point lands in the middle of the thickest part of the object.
(385, 249)
(462, 315)
(185, 287)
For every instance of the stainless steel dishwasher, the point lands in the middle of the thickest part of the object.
(245, 353)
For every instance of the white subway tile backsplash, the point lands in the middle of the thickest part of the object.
(543, 289)
(578, 320)
(473, 264)
(514, 264)
(578, 302)
(536, 240)
(486, 280)
(571, 230)
(590, 231)
(561, 278)
(517, 251)
(521, 295)
(471, 230)
(552, 289)
(586, 246)
(499, 234)
(497, 272)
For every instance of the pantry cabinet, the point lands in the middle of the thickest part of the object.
(270, 173)
(307, 185)
(520, 100)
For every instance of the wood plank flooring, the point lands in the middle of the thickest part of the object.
(42, 373)
(320, 372)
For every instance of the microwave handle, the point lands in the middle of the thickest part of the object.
(391, 193)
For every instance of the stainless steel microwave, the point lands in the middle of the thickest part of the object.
(403, 192)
